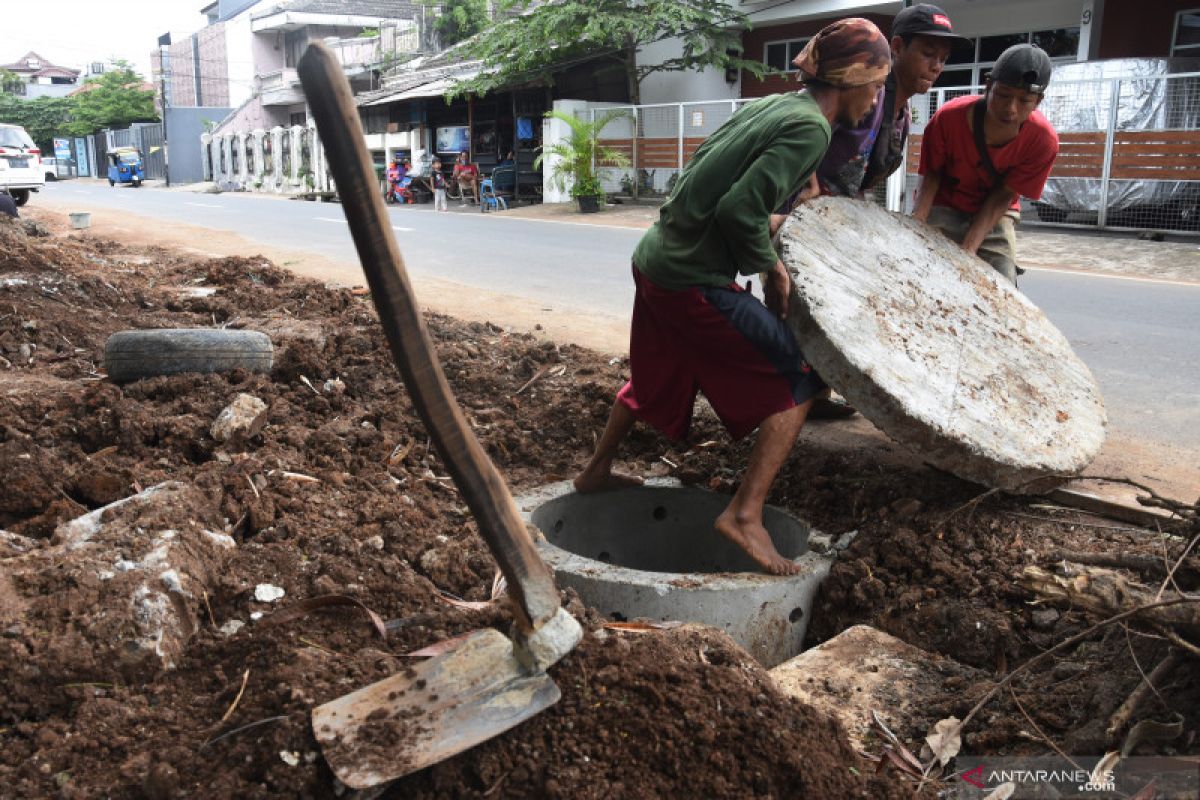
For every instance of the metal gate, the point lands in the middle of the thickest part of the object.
(154, 155)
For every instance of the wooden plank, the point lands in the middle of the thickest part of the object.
(1095, 137)
(1163, 161)
(1192, 136)
(1135, 174)
(1094, 504)
(1075, 172)
(1159, 149)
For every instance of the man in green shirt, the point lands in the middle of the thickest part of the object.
(694, 328)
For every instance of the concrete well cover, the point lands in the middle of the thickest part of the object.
(936, 349)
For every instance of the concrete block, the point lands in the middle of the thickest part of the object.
(863, 670)
(936, 349)
(652, 553)
(119, 590)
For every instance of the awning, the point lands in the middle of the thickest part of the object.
(435, 88)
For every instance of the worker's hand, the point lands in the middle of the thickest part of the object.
(777, 221)
(921, 214)
(971, 244)
(777, 289)
(811, 189)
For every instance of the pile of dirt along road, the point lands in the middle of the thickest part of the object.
(339, 493)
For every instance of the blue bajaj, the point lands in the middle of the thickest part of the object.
(125, 166)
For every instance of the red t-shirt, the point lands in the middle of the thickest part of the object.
(948, 147)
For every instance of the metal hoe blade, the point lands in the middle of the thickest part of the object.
(429, 712)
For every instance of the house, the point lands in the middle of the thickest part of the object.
(239, 71)
(411, 115)
(1069, 30)
(41, 77)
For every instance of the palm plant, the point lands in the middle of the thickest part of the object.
(577, 157)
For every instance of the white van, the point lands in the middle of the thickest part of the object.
(20, 164)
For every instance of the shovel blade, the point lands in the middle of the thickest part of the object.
(431, 711)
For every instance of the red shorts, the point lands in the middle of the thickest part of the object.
(718, 340)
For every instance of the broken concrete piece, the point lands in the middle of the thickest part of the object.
(241, 419)
(931, 345)
(119, 590)
(267, 593)
(863, 670)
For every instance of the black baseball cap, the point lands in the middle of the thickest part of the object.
(924, 19)
(1023, 66)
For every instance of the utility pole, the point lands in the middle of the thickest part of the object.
(164, 57)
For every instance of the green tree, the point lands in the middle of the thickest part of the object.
(43, 117)
(457, 20)
(117, 99)
(10, 82)
(536, 37)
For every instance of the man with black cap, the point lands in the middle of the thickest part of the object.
(862, 155)
(980, 155)
(694, 328)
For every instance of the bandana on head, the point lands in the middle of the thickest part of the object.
(850, 52)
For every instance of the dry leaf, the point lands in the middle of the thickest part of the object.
(400, 452)
(1104, 768)
(1002, 792)
(642, 627)
(895, 740)
(903, 765)
(1062, 416)
(499, 586)
(945, 740)
(303, 607)
(470, 605)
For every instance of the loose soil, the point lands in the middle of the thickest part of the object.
(643, 715)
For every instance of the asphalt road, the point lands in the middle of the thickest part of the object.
(1140, 338)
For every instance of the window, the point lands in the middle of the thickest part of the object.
(970, 61)
(294, 43)
(779, 55)
(1186, 41)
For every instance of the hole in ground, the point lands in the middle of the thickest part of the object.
(682, 540)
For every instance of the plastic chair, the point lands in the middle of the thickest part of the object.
(488, 199)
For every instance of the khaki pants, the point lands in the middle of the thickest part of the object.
(999, 247)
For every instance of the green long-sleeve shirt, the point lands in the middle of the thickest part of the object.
(716, 222)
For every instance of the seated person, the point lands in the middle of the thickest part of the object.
(972, 180)
(395, 171)
(467, 175)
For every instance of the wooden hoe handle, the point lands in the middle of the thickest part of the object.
(328, 93)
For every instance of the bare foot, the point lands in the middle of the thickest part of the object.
(597, 481)
(752, 537)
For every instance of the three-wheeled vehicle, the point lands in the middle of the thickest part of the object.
(125, 166)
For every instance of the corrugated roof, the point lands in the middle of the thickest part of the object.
(384, 9)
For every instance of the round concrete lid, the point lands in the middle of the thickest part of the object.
(936, 349)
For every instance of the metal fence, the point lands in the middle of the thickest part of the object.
(1129, 154)
(657, 141)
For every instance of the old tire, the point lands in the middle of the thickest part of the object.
(132, 355)
(20, 196)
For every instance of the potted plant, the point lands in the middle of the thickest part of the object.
(576, 159)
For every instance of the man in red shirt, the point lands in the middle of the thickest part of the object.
(971, 185)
